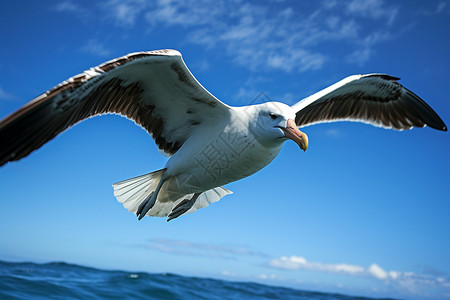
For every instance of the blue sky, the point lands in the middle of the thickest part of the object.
(364, 211)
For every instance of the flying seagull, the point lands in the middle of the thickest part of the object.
(209, 143)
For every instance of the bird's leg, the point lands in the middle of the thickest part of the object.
(182, 207)
(148, 203)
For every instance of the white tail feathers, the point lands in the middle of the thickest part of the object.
(132, 192)
(208, 197)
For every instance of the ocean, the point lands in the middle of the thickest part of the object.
(66, 281)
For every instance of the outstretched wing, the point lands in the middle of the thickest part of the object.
(376, 99)
(154, 89)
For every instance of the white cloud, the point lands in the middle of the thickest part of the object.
(73, 7)
(300, 263)
(359, 56)
(125, 12)
(186, 13)
(288, 263)
(403, 281)
(375, 9)
(394, 275)
(258, 36)
(377, 272)
(366, 47)
(67, 6)
(287, 37)
(95, 47)
(267, 276)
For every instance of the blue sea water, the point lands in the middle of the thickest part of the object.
(66, 281)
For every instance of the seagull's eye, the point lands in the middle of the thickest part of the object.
(273, 116)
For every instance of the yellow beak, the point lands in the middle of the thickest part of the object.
(292, 132)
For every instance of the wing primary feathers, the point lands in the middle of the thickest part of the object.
(153, 89)
(428, 115)
(376, 99)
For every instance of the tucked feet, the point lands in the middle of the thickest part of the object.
(146, 205)
(182, 207)
(150, 201)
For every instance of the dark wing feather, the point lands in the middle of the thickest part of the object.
(376, 99)
(154, 89)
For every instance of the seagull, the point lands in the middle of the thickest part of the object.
(209, 143)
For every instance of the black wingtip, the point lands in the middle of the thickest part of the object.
(440, 128)
(437, 124)
(427, 114)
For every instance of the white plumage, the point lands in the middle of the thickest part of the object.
(209, 143)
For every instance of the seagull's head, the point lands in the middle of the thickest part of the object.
(275, 124)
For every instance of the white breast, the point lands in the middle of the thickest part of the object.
(224, 153)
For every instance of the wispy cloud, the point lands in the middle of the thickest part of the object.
(300, 263)
(73, 7)
(67, 6)
(375, 9)
(189, 248)
(407, 281)
(125, 12)
(252, 35)
(290, 37)
(366, 47)
(5, 95)
(95, 47)
(441, 7)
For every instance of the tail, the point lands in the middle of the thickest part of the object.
(206, 198)
(132, 192)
